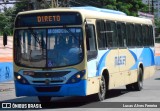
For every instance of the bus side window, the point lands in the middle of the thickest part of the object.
(144, 34)
(141, 37)
(151, 37)
(130, 35)
(101, 34)
(136, 35)
(109, 35)
(123, 25)
(147, 36)
(112, 39)
(121, 34)
(91, 42)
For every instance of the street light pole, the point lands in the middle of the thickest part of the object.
(149, 6)
(152, 7)
(52, 3)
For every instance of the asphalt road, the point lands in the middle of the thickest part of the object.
(150, 93)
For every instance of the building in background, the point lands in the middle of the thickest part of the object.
(154, 7)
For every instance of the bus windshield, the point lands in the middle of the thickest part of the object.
(54, 47)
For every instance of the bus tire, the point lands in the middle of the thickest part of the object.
(101, 95)
(130, 87)
(44, 98)
(138, 86)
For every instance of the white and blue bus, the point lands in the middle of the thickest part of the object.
(80, 52)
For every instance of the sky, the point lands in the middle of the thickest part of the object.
(4, 5)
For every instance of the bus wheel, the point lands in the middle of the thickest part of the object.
(44, 98)
(102, 90)
(130, 87)
(138, 86)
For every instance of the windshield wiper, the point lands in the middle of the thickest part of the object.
(35, 36)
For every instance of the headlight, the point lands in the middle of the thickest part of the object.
(20, 78)
(76, 77)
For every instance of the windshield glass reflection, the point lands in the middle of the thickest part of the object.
(64, 47)
(54, 47)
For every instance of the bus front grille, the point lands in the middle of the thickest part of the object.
(49, 74)
(43, 82)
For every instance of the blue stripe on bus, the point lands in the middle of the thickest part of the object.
(146, 57)
(6, 71)
(133, 54)
(101, 63)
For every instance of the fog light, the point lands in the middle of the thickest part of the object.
(24, 82)
(78, 76)
(19, 77)
(73, 80)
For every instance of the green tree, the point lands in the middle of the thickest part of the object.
(23, 5)
(6, 21)
(157, 24)
(130, 7)
(109, 4)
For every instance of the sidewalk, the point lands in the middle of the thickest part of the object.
(6, 86)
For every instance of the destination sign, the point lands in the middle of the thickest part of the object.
(48, 19)
(56, 18)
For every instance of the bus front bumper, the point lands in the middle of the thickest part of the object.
(75, 89)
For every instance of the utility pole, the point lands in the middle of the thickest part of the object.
(149, 6)
(153, 7)
(54, 3)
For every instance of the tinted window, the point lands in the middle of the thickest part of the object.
(138, 35)
(111, 29)
(144, 34)
(121, 34)
(101, 34)
(91, 42)
(151, 37)
(130, 35)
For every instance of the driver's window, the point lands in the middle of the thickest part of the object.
(91, 41)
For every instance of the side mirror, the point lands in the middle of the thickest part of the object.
(4, 39)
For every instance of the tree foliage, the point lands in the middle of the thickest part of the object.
(130, 7)
(6, 21)
(8, 15)
(157, 23)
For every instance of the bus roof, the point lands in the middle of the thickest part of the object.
(99, 10)
(90, 13)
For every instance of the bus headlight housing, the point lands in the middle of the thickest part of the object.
(20, 78)
(76, 77)
(29, 73)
